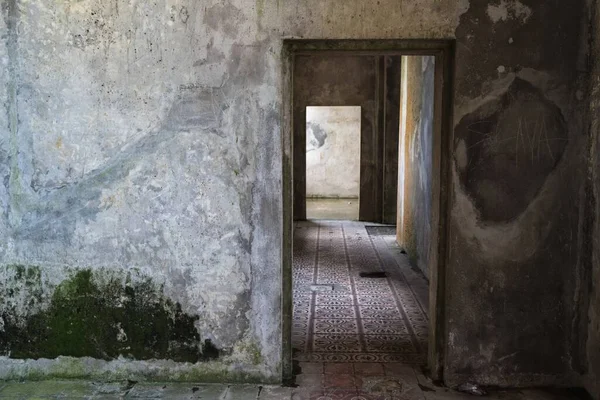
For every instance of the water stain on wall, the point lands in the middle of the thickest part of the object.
(512, 145)
(316, 136)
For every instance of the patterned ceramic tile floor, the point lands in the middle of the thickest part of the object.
(363, 319)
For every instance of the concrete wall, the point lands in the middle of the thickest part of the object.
(519, 152)
(141, 159)
(415, 178)
(142, 164)
(591, 250)
(333, 152)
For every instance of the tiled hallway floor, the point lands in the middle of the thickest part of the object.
(357, 336)
(363, 319)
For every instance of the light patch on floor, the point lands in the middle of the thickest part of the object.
(332, 209)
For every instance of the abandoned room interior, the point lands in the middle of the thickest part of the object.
(235, 199)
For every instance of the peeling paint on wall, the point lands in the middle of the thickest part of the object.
(509, 9)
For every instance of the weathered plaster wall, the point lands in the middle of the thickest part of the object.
(143, 146)
(591, 313)
(519, 165)
(416, 149)
(144, 138)
(333, 152)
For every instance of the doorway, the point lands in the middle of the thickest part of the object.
(367, 261)
(333, 163)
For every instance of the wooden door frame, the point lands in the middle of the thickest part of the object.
(444, 51)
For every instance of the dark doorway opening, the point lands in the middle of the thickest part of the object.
(341, 267)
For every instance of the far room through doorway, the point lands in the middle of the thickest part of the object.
(332, 162)
(361, 292)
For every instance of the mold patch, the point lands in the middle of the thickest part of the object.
(513, 143)
(94, 314)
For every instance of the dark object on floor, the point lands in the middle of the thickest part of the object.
(472, 388)
(378, 274)
(403, 251)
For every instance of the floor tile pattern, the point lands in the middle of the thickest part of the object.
(362, 320)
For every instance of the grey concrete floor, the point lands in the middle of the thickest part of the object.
(332, 209)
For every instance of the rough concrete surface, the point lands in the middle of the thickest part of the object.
(591, 256)
(146, 144)
(511, 273)
(144, 137)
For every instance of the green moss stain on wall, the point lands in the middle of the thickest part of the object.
(21, 291)
(100, 316)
